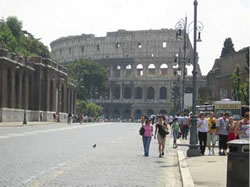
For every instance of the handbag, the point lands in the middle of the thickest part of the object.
(141, 131)
(163, 132)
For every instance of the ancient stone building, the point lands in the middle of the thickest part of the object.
(219, 78)
(35, 86)
(142, 68)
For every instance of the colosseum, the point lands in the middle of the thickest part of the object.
(142, 65)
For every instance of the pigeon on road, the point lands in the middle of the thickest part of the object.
(94, 146)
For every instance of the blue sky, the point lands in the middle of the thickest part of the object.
(51, 19)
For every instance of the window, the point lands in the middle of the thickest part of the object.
(152, 55)
(139, 45)
(82, 49)
(60, 51)
(117, 45)
(164, 44)
(98, 47)
(69, 50)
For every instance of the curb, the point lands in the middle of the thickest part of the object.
(186, 177)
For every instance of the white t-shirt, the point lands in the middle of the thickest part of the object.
(204, 125)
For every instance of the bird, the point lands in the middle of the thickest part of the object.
(94, 146)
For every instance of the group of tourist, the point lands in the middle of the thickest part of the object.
(209, 130)
(225, 128)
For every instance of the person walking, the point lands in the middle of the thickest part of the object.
(160, 133)
(146, 138)
(202, 132)
(211, 135)
(222, 127)
(243, 127)
(175, 131)
(185, 126)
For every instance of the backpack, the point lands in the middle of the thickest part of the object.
(163, 132)
(141, 131)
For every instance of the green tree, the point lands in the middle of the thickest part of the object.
(81, 106)
(94, 110)
(21, 42)
(228, 47)
(15, 26)
(91, 78)
(236, 94)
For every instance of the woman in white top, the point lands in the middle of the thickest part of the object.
(202, 132)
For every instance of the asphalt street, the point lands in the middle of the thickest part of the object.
(63, 155)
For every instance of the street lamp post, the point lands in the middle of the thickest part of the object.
(193, 148)
(24, 112)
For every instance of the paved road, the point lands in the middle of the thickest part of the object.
(63, 155)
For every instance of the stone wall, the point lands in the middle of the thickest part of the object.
(33, 85)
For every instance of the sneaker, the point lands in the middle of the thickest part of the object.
(162, 153)
(220, 153)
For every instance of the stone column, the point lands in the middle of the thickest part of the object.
(26, 92)
(3, 84)
(13, 94)
(20, 96)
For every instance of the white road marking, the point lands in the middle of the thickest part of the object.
(48, 130)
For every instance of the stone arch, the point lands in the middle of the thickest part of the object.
(128, 69)
(137, 114)
(17, 89)
(116, 114)
(127, 92)
(163, 93)
(9, 88)
(139, 70)
(163, 112)
(151, 69)
(126, 114)
(163, 69)
(150, 93)
(117, 92)
(138, 93)
(150, 112)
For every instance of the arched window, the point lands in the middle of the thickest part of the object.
(117, 93)
(137, 114)
(163, 93)
(138, 94)
(128, 70)
(163, 69)
(150, 93)
(118, 71)
(139, 70)
(151, 69)
(127, 93)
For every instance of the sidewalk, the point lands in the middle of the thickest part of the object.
(20, 123)
(202, 170)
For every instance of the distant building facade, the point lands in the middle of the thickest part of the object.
(141, 65)
(35, 85)
(219, 78)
